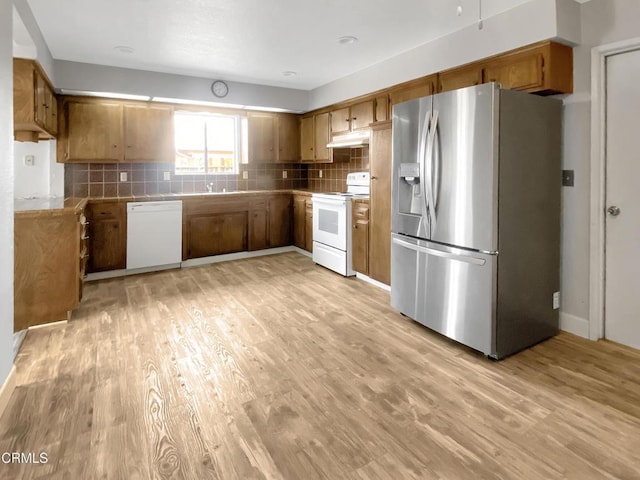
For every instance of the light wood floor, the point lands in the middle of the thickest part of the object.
(276, 368)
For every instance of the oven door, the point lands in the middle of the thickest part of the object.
(330, 221)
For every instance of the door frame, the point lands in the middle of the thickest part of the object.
(597, 257)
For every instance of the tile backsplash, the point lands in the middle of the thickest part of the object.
(102, 179)
(334, 175)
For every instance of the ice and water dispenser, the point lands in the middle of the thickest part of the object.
(410, 193)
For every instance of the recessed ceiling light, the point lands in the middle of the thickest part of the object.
(124, 49)
(289, 73)
(347, 40)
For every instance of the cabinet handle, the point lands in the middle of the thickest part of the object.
(355, 226)
(347, 120)
(129, 146)
(354, 118)
(84, 237)
(115, 146)
(374, 178)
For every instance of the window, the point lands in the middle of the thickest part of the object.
(206, 143)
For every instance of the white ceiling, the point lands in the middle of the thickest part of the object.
(250, 40)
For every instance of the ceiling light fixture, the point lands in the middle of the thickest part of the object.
(480, 25)
(347, 40)
(289, 73)
(459, 9)
(124, 49)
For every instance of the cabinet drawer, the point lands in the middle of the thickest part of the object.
(106, 210)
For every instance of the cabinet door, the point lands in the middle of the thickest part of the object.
(40, 93)
(321, 137)
(258, 225)
(414, 89)
(215, 234)
(382, 108)
(262, 138)
(148, 133)
(307, 139)
(299, 221)
(94, 132)
(360, 246)
(460, 78)
(380, 204)
(308, 227)
(340, 120)
(107, 237)
(361, 115)
(51, 103)
(280, 221)
(524, 72)
(288, 138)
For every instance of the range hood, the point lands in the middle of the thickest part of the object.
(350, 140)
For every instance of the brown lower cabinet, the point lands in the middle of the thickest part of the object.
(107, 236)
(216, 233)
(360, 235)
(279, 219)
(303, 222)
(49, 260)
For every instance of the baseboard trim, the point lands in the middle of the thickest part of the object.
(574, 324)
(195, 262)
(302, 252)
(46, 325)
(365, 278)
(7, 389)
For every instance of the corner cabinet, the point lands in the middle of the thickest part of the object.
(35, 106)
(110, 131)
(273, 138)
(314, 136)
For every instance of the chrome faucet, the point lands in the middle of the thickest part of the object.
(209, 187)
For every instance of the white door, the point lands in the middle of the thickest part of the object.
(622, 275)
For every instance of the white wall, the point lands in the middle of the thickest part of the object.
(45, 178)
(43, 55)
(602, 22)
(6, 189)
(84, 76)
(528, 23)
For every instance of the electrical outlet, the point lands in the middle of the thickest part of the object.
(284, 174)
(167, 176)
(556, 300)
(320, 174)
(567, 178)
(123, 176)
(245, 175)
(29, 160)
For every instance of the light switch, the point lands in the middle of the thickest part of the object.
(284, 174)
(123, 176)
(167, 176)
(320, 174)
(29, 160)
(245, 175)
(567, 178)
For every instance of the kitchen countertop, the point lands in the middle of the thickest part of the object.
(59, 205)
(48, 205)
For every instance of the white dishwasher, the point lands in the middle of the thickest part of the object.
(154, 234)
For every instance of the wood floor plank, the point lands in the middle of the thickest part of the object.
(275, 368)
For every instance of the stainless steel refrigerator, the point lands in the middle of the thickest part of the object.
(475, 222)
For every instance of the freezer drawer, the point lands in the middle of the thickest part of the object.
(449, 290)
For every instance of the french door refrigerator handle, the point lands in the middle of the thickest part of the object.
(436, 163)
(439, 253)
(422, 158)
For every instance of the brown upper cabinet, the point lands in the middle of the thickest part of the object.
(420, 87)
(355, 117)
(273, 138)
(110, 131)
(544, 67)
(148, 133)
(382, 108)
(314, 136)
(35, 106)
(460, 77)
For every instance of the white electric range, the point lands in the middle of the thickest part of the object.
(332, 224)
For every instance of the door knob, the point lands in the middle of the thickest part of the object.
(613, 211)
